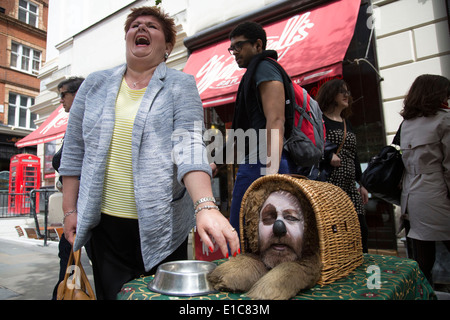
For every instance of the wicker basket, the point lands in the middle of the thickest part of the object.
(330, 209)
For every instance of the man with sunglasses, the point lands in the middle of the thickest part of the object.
(67, 90)
(260, 104)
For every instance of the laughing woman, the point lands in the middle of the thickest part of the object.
(334, 99)
(122, 190)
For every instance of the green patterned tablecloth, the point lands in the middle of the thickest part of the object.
(398, 279)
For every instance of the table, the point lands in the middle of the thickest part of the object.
(398, 279)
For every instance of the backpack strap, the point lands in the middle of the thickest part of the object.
(396, 140)
(302, 110)
(305, 98)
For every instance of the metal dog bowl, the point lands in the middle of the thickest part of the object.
(183, 278)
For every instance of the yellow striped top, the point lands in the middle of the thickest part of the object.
(118, 189)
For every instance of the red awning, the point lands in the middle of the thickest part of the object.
(53, 128)
(311, 46)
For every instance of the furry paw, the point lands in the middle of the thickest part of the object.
(237, 274)
(285, 281)
(270, 288)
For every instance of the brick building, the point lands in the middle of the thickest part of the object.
(23, 36)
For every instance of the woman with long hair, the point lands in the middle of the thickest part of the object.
(425, 145)
(335, 100)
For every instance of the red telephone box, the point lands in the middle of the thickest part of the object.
(24, 176)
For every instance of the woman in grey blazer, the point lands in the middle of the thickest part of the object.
(168, 174)
(425, 144)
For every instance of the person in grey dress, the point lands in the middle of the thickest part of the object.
(425, 145)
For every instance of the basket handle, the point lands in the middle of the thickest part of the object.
(297, 176)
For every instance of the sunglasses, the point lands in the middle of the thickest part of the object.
(237, 47)
(345, 92)
(63, 94)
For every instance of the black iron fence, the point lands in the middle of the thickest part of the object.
(28, 204)
(14, 204)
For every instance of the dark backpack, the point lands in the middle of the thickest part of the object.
(306, 141)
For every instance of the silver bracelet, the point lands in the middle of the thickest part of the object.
(204, 208)
(68, 213)
(206, 199)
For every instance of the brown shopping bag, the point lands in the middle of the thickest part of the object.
(75, 286)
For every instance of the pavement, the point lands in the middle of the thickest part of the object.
(28, 269)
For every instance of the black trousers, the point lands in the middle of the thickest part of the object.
(116, 255)
(424, 252)
(364, 232)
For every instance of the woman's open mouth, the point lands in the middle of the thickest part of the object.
(142, 41)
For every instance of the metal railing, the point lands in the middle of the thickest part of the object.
(24, 205)
(47, 193)
(20, 206)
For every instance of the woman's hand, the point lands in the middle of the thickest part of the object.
(211, 224)
(364, 194)
(335, 160)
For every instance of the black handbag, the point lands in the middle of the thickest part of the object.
(384, 172)
(323, 170)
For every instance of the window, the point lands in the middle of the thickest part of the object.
(25, 59)
(49, 152)
(28, 13)
(19, 114)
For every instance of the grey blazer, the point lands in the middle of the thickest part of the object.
(166, 144)
(425, 143)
